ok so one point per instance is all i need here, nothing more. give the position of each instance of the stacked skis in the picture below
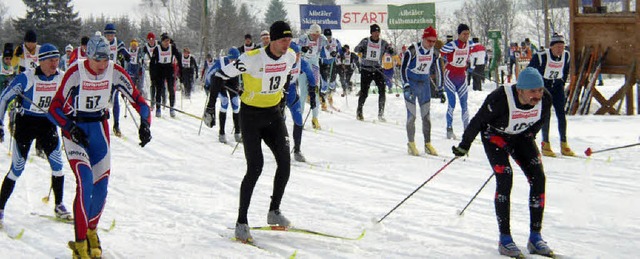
(588, 65)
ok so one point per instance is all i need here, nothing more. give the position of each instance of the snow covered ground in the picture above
(178, 196)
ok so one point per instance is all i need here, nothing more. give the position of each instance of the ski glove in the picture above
(334, 53)
(458, 151)
(78, 136)
(144, 132)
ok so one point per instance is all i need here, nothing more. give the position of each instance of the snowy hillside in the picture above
(178, 196)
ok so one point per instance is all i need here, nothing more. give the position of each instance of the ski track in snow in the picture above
(178, 196)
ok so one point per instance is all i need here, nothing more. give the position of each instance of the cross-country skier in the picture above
(189, 68)
(135, 66)
(227, 90)
(265, 73)
(81, 108)
(25, 55)
(455, 76)
(117, 49)
(6, 69)
(389, 63)
(329, 68)
(34, 90)
(264, 38)
(161, 60)
(553, 64)
(148, 50)
(371, 50)
(311, 45)
(79, 53)
(349, 61)
(64, 60)
(508, 121)
(247, 45)
(294, 101)
(418, 64)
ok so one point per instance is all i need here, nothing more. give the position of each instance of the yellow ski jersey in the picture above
(389, 61)
(264, 78)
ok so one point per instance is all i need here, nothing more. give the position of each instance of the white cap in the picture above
(98, 33)
(264, 33)
(315, 29)
(68, 48)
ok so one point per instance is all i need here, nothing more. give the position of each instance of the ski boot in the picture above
(538, 246)
(243, 233)
(411, 149)
(359, 115)
(508, 247)
(237, 137)
(61, 212)
(95, 250)
(209, 117)
(79, 249)
(276, 218)
(298, 156)
(116, 130)
(222, 138)
(158, 113)
(429, 149)
(566, 150)
(381, 118)
(315, 124)
(172, 113)
(546, 149)
(450, 134)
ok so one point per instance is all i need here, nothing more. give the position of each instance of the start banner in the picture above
(360, 17)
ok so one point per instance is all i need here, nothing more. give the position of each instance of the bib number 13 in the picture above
(274, 83)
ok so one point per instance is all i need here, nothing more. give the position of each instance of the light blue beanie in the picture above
(529, 78)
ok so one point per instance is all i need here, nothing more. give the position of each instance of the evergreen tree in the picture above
(248, 22)
(275, 12)
(227, 31)
(193, 19)
(54, 21)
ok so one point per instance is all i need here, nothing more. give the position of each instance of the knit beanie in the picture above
(30, 36)
(98, 48)
(374, 28)
(279, 30)
(556, 38)
(327, 32)
(110, 28)
(429, 32)
(8, 50)
(529, 78)
(150, 36)
(48, 51)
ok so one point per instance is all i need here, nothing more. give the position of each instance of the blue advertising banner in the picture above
(327, 16)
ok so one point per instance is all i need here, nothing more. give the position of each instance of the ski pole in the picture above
(46, 198)
(588, 152)
(205, 110)
(390, 79)
(234, 148)
(476, 195)
(178, 110)
(132, 117)
(416, 190)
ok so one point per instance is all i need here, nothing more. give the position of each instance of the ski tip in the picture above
(364, 231)
(18, 236)
(588, 152)
(295, 253)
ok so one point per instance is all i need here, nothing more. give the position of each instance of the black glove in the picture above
(443, 99)
(144, 132)
(458, 151)
(390, 50)
(78, 136)
(2, 135)
(304, 49)
(334, 54)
